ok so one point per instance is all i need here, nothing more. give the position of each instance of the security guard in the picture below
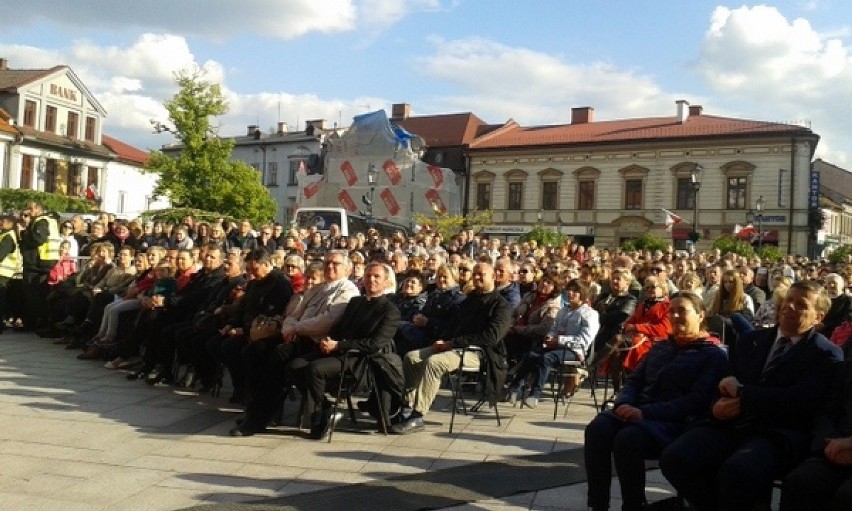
(10, 260)
(39, 251)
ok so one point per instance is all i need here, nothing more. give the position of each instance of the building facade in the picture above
(58, 145)
(604, 182)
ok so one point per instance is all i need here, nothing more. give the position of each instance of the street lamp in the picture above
(372, 179)
(538, 218)
(695, 177)
(758, 206)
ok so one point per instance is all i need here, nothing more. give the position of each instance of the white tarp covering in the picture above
(405, 184)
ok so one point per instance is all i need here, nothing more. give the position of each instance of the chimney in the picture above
(4, 64)
(582, 115)
(695, 110)
(282, 127)
(251, 129)
(316, 124)
(400, 111)
(683, 110)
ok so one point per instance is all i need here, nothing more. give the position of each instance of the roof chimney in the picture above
(283, 127)
(400, 111)
(4, 64)
(315, 124)
(251, 129)
(695, 110)
(682, 110)
(582, 115)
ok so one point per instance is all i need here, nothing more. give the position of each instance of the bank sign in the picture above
(813, 190)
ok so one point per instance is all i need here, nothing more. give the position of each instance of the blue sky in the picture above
(530, 61)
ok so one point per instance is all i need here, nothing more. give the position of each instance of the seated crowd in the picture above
(727, 370)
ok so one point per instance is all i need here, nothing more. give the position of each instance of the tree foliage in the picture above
(202, 176)
(770, 253)
(449, 225)
(646, 241)
(545, 237)
(727, 243)
(16, 199)
(840, 254)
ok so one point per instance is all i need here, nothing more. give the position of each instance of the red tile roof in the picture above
(629, 130)
(445, 130)
(4, 123)
(126, 153)
(11, 79)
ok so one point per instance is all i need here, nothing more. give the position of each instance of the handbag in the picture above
(264, 327)
(841, 333)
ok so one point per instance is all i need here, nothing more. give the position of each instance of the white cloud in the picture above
(537, 88)
(785, 68)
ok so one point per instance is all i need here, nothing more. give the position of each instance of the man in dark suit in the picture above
(368, 324)
(762, 420)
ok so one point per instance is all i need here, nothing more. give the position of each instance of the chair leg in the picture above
(336, 404)
(383, 413)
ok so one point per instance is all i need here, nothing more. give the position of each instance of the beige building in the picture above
(607, 181)
(58, 146)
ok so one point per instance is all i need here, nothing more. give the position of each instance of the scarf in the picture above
(683, 340)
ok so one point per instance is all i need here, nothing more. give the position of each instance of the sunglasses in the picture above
(523, 271)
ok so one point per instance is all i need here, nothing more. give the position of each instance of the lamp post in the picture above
(538, 218)
(372, 179)
(758, 207)
(695, 177)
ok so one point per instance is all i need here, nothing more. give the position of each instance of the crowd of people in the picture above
(727, 369)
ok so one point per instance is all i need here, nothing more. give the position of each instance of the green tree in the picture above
(545, 237)
(203, 176)
(839, 254)
(646, 241)
(450, 225)
(727, 243)
(770, 253)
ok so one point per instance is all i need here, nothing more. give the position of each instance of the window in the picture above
(90, 129)
(483, 196)
(737, 192)
(30, 114)
(272, 173)
(685, 194)
(294, 169)
(92, 177)
(27, 164)
(50, 176)
(549, 195)
(256, 166)
(73, 125)
(50, 120)
(516, 196)
(586, 195)
(633, 194)
(75, 185)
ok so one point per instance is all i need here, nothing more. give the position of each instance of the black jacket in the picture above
(483, 320)
(613, 311)
(267, 296)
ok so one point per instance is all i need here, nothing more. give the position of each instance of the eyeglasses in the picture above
(267, 234)
(523, 271)
(465, 270)
(657, 270)
(651, 287)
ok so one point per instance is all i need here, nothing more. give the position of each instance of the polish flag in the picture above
(671, 219)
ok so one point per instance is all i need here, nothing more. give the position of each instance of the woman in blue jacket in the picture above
(672, 386)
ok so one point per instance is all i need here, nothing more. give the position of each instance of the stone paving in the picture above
(74, 435)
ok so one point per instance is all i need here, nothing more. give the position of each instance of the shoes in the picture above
(130, 362)
(138, 375)
(189, 379)
(154, 375)
(324, 429)
(412, 425)
(240, 432)
(114, 364)
(512, 397)
(531, 402)
(93, 353)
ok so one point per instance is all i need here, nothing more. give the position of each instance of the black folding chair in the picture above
(570, 368)
(348, 386)
(457, 383)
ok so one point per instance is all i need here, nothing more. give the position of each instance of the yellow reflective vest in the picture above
(11, 264)
(49, 250)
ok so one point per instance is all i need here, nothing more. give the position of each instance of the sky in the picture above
(531, 61)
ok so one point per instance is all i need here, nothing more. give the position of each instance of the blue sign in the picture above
(773, 219)
(813, 191)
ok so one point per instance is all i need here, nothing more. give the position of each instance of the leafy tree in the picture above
(840, 254)
(545, 237)
(770, 253)
(727, 243)
(450, 225)
(202, 176)
(17, 199)
(646, 241)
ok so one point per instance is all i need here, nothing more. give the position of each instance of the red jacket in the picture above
(651, 325)
(63, 269)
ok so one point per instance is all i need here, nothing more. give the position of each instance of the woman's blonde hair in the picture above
(725, 302)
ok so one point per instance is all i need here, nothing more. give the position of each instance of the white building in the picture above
(127, 191)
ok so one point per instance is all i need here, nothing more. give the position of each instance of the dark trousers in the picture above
(227, 349)
(318, 374)
(817, 484)
(169, 338)
(539, 364)
(298, 373)
(723, 468)
(35, 298)
(629, 445)
(4, 283)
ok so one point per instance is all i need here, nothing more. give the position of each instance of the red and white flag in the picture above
(671, 219)
(745, 233)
